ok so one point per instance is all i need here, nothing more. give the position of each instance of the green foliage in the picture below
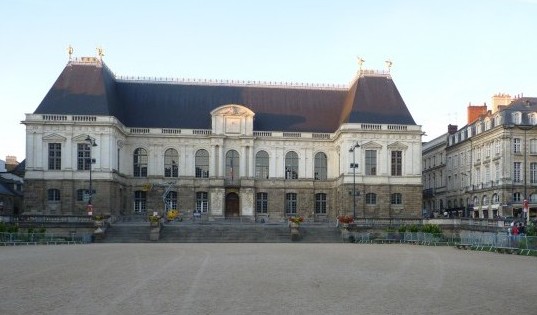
(431, 228)
(8, 228)
(427, 228)
(531, 230)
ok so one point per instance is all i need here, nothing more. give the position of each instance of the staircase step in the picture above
(222, 233)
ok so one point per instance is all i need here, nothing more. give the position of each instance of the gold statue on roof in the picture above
(100, 52)
(70, 51)
(360, 62)
(388, 64)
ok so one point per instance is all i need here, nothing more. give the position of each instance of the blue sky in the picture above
(446, 54)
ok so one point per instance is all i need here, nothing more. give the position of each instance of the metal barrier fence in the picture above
(20, 238)
(496, 242)
(404, 237)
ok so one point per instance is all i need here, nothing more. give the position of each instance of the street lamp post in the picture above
(91, 143)
(354, 165)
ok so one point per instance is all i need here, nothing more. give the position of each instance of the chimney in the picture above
(451, 129)
(499, 100)
(475, 111)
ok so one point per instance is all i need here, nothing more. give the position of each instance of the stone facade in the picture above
(221, 171)
(488, 167)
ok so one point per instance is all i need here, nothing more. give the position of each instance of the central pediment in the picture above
(232, 120)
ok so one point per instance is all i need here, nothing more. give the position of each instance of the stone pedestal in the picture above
(295, 233)
(154, 231)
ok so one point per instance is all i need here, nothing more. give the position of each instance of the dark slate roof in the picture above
(92, 89)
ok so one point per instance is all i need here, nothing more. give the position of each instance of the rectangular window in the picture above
(397, 199)
(83, 157)
(290, 203)
(320, 203)
(202, 202)
(261, 202)
(140, 201)
(54, 156)
(371, 198)
(262, 165)
(533, 173)
(397, 160)
(533, 146)
(370, 162)
(517, 178)
(516, 145)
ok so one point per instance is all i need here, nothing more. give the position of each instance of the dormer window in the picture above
(516, 117)
(533, 118)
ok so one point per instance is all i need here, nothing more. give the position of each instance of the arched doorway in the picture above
(232, 205)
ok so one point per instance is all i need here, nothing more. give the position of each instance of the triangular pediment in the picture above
(54, 137)
(371, 145)
(81, 138)
(397, 146)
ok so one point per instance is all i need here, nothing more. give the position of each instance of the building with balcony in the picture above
(491, 163)
(221, 148)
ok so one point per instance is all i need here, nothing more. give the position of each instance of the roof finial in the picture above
(388, 64)
(70, 51)
(100, 53)
(360, 63)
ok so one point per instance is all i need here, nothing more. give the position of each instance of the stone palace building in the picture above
(256, 150)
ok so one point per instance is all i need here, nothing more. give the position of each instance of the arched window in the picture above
(140, 163)
(485, 200)
(291, 165)
(495, 199)
(371, 198)
(533, 118)
(171, 163)
(516, 117)
(476, 201)
(82, 194)
(232, 165)
(202, 164)
(262, 165)
(320, 166)
(320, 203)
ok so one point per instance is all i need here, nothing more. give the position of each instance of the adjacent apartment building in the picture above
(129, 145)
(488, 168)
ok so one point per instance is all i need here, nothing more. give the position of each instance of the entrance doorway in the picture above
(232, 205)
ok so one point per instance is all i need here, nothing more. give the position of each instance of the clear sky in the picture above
(445, 54)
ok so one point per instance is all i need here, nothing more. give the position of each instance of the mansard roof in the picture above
(88, 87)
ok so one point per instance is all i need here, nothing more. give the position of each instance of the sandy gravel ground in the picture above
(263, 279)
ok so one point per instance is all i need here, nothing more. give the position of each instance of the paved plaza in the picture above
(264, 279)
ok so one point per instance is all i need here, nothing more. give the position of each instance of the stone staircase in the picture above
(127, 233)
(222, 233)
